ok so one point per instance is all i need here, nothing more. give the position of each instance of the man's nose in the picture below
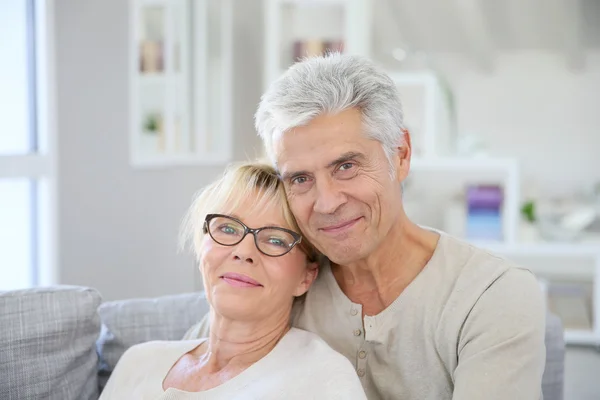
(245, 250)
(329, 197)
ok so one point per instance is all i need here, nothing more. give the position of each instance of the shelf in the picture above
(454, 164)
(152, 79)
(185, 82)
(314, 3)
(179, 160)
(543, 249)
(580, 337)
(413, 78)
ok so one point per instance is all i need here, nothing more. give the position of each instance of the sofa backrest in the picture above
(129, 322)
(47, 343)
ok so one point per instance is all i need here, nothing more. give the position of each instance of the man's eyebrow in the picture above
(350, 155)
(288, 175)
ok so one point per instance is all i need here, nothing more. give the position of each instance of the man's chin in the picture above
(344, 254)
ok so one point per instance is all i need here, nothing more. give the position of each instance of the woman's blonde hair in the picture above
(240, 182)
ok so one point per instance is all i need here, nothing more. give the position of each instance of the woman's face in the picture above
(242, 283)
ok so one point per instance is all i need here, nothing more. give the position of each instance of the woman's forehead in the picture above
(257, 211)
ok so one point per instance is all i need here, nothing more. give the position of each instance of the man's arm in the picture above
(501, 351)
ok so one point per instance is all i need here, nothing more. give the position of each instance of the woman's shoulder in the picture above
(158, 349)
(142, 368)
(331, 374)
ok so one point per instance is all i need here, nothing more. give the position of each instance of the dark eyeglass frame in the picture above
(254, 232)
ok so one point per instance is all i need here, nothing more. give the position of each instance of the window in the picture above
(27, 195)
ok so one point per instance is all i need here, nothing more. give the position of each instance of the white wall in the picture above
(118, 226)
(533, 108)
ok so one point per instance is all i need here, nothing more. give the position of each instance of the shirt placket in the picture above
(359, 334)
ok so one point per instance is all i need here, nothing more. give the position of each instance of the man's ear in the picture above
(310, 274)
(404, 153)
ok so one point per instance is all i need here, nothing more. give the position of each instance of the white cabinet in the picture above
(298, 28)
(180, 82)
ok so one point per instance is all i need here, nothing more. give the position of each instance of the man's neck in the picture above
(376, 281)
(239, 344)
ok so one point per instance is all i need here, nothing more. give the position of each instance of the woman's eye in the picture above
(230, 230)
(277, 242)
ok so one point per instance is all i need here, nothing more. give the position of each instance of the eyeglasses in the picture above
(269, 240)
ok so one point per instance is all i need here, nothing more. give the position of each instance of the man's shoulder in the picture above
(464, 273)
(474, 265)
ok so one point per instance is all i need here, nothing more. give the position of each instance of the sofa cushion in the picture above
(129, 322)
(47, 343)
(553, 378)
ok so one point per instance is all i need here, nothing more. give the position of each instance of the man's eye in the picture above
(346, 166)
(299, 180)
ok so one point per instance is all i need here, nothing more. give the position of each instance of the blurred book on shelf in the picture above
(316, 47)
(484, 212)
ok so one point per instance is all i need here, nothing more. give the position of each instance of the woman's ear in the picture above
(309, 276)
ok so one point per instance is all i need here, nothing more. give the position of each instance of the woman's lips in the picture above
(239, 280)
(340, 227)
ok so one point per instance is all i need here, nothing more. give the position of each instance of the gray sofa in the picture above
(63, 342)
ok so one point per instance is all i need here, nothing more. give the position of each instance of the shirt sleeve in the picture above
(124, 373)
(501, 351)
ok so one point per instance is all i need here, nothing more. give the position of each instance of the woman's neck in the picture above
(239, 344)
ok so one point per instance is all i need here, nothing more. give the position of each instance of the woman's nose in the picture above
(245, 250)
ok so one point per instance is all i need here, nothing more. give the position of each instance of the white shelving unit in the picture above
(332, 21)
(427, 113)
(436, 176)
(449, 175)
(180, 82)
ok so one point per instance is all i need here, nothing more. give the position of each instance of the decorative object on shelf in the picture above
(152, 39)
(484, 212)
(316, 47)
(153, 138)
(528, 230)
(564, 220)
(296, 29)
(528, 211)
(180, 82)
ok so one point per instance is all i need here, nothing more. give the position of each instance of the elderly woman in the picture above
(254, 264)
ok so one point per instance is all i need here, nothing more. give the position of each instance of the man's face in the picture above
(339, 185)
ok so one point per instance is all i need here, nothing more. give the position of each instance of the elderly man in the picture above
(420, 314)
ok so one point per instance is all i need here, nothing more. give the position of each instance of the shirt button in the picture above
(353, 311)
(357, 332)
(362, 354)
(361, 372)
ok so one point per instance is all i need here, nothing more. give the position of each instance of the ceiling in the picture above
(480, 28)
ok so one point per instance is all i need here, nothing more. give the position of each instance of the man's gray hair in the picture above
(328, 85)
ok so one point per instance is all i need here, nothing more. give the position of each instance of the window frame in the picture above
(40, 165)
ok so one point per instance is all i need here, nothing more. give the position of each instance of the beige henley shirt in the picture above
(470, 326)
